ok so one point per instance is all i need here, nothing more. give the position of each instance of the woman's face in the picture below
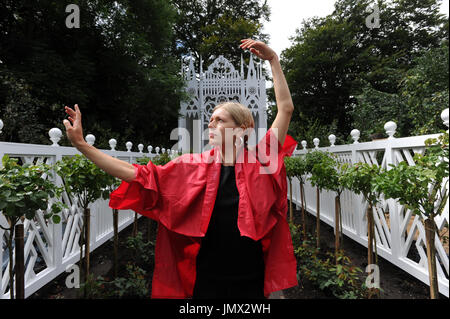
(219, 121)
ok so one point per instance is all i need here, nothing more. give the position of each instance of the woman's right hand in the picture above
(74, 130)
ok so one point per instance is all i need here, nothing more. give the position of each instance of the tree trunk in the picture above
(430, 231)
(318, 218)
(371, 244)
(87, 220)
(116, 240)
(135, 227)
(370, 234)
(291, 216)
(20, 262)
(337, 226)
(302, 195)
(10, 252)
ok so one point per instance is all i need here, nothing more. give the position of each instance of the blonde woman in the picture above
(222, 228)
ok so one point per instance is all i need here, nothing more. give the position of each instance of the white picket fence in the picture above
(51, 248)
(400, 236)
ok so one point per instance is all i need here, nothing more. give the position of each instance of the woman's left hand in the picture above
(260, 49)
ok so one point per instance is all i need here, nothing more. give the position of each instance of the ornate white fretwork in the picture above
(220, 83)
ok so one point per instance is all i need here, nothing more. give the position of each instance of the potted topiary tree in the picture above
(86, 182)
(24, 191)
(422, 188)
(314, 161)
(361, 179)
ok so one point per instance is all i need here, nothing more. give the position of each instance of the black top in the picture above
(224, 253)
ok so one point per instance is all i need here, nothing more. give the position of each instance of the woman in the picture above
(222, 229)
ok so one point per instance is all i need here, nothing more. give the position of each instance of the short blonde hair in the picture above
(240, 114)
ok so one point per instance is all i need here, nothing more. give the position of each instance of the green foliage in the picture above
(296, 167)
(324, 170)
(422, 93)
(342, 280)
(411, 185)
(343, 74)
(160, 159)
(83, 179)
(213, 28)
(24, 190)
(120, 66)
(361, 178)
(134, 285)
(143, 250)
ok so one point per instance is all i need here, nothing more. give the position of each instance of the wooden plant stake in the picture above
(430, 231)
(116, 240)
(302, 196)
(87, 220)
(291, 217)
(337, 229)
(318, 218)
(20, 262)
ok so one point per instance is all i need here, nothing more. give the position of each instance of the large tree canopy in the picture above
(335, 61)
(210, 28)
(118, 66)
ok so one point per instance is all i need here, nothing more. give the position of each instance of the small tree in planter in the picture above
(361, 179)
(23, 191)
(289, 163)
(296, 167)
(112, 185)
(85, 181)
(313, 162)
(328, 173)
(423, 189)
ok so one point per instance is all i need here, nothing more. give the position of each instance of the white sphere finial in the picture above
(316, 142)
(1, 126)
(112, 144)
(355, 135)
(304, 144)
(90, 139)
(141, 147)
(163, 150)
(55, 135)
(129, 145)
(390, 128)
(332, 139)
(149, 149)
(157, 149)
(444, 117)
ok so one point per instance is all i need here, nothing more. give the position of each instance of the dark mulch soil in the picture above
(101, 261)
(395, 283)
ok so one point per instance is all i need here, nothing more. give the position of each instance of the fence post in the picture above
(394, 218)
(56, 229)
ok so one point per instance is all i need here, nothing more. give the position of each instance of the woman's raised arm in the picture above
(113, 166)
(283, 97)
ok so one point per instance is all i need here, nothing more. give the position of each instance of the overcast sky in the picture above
(287, 15)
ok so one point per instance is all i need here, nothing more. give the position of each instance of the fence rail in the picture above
(400, 235)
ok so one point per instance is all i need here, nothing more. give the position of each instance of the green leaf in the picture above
(56, 219)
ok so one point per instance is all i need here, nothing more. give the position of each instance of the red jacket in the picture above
(180, 196)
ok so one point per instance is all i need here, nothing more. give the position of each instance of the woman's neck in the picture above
(228, 158)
